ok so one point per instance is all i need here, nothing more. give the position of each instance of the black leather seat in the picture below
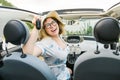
(18, 66)
(101, 64)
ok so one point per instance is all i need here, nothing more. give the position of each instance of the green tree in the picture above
(89, 31)
(30, 25)
(6, 3)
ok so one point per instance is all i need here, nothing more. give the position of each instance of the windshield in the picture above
(82, 26)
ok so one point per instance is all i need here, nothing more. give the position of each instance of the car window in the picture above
(83, 26)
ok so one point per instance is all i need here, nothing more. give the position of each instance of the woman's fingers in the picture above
(34, 20)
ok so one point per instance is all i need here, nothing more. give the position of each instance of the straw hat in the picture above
(55, 15)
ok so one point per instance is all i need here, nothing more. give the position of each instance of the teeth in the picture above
(53, 30)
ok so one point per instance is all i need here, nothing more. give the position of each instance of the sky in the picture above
(46, 5)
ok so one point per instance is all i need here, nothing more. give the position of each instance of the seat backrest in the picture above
(17, 67)
(104, 65)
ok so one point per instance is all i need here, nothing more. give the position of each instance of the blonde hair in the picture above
(43, 33)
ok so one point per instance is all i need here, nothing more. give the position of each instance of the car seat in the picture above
(101, 64)
(17, 65)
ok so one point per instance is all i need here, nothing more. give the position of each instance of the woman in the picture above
(51, 46)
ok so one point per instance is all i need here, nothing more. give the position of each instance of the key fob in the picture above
(38, 24)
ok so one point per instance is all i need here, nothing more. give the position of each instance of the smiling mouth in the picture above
(54, 30)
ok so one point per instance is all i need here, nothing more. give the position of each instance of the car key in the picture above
(38, 24)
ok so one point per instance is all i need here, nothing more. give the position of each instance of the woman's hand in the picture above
(34, 20)
(29, 46)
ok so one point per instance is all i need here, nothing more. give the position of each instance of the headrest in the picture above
(16, 32)
(107, 30)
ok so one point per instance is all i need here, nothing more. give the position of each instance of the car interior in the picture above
(100, 64)
(94, 65)
(92, 34)
(18, 65)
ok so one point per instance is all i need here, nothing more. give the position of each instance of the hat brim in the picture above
(55, 15)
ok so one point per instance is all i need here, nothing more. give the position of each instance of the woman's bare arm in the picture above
(29, 46)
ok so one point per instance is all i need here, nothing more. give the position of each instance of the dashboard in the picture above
(73, 42)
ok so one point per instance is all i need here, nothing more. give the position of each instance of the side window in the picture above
(29, 24)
